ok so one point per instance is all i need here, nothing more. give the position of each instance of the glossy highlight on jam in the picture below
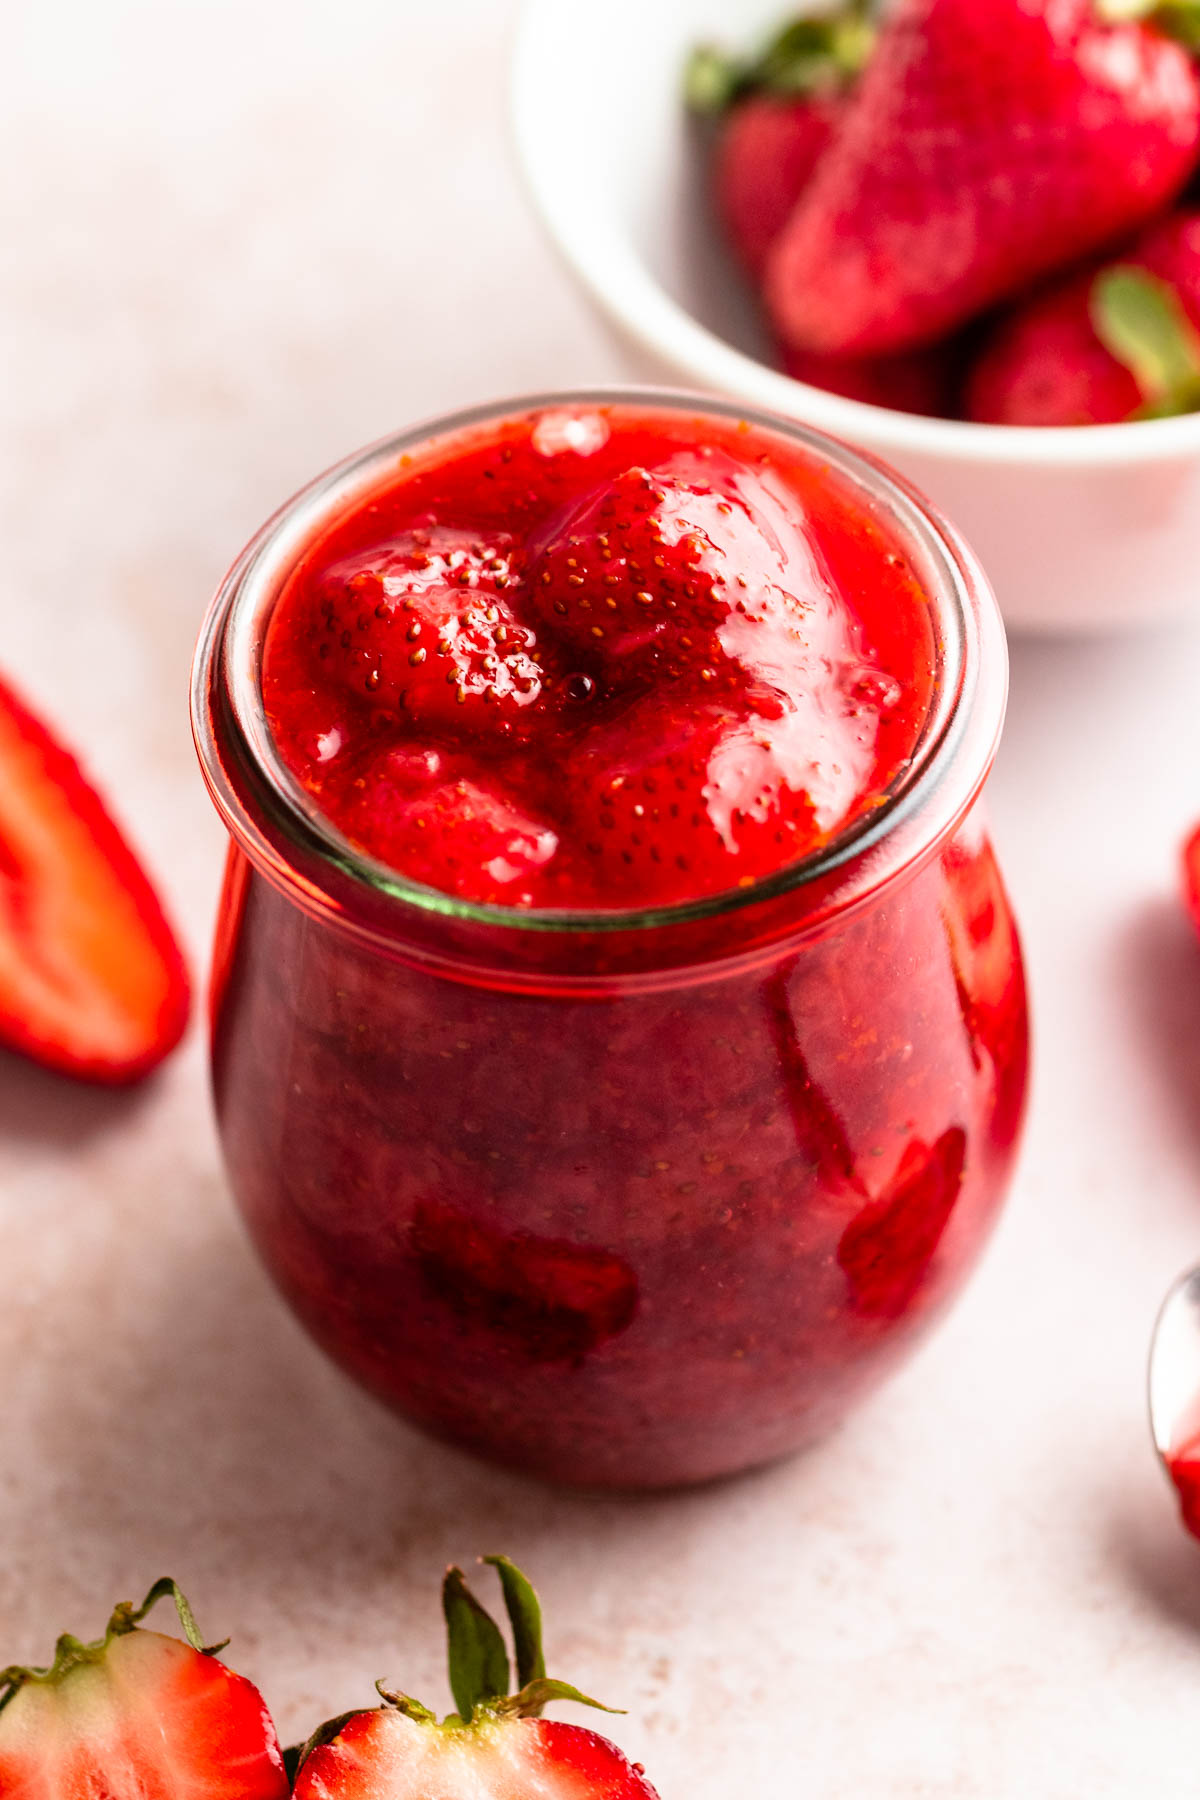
(625, 1169)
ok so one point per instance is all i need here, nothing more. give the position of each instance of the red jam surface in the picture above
(660, 1227)
(587, 662)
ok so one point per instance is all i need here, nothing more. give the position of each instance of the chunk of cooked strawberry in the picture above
(887, 1248)
(693, 564)
(495, 1747)
(693, 801)
(92, 979)
(136, 1716)
(413, 809)
(544, 1299)
(421, 624)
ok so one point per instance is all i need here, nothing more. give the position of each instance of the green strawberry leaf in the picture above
(478, 1660)
(534, 1695)
(807, 54)
(1141, 321)
(412, 1709)
(810, 52)
(525, 1617)
(711, 80)
(1178, 19)
(126, 1617)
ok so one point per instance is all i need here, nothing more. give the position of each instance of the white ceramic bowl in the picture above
(1079, 528)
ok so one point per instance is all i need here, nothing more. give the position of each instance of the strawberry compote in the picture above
(619, 1029)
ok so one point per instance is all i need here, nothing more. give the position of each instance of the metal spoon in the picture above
(1175, 1366)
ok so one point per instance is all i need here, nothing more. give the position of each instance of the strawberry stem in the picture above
(126, 1618)
(412, 1709)
(1141, 321)
(479, 1669)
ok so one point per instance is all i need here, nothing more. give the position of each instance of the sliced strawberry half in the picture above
(137, 1716)
(92, 979)
(495, 1747)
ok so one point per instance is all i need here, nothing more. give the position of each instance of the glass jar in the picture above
(621, 1199)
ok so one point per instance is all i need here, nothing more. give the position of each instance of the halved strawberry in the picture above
(420, 623)
(92, 980)
(137, 1716)
(495, 1747)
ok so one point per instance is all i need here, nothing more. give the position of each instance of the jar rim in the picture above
(227, 667)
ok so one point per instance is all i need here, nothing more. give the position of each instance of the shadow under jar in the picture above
(619, 1198)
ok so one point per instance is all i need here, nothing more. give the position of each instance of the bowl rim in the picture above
(606, 263)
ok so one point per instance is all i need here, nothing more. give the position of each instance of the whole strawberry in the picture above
(988, 143)
(495, 1747)
(777, 113)
(136, 1716)
(1109, 344)
(762, 162)
(92, 978)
